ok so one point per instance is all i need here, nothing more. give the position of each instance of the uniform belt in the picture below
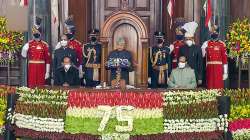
(160, 68)
(96, 66)
(36, 61)
(214, 63)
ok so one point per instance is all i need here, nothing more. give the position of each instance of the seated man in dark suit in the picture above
(67, 74)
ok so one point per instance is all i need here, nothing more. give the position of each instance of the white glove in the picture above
(225, 69)
(203, 48)
(199, 82)
(47, 71)
(47, 75)
(80, 72)
(225, 76)
(171, 47)
(149, 80)
(84, 82)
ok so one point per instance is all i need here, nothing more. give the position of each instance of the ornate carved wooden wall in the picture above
(127, 24)
(148, 10)
(239, 9)
(81, 10)
(135, 20)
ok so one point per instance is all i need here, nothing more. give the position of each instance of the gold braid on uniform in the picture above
(154, 60)
(83, 52)
(90, 51)
(161, 69)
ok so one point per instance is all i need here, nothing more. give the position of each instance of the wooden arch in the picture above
(106, 37)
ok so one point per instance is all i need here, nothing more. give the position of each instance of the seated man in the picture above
(183, 77)
(120, 62)
(67, 74)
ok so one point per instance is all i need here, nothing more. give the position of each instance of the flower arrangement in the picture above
(39, 124)
(193, 112)
(191, 104)
(135, 115)
(41, 110)
(10, 43)
(189, 97)
(109, 113)
(242, 134)
(239, 121)
(4, 90)
(238, 39)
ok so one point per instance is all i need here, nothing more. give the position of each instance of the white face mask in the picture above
(189, 42)
(67, 66)
(64, 43)
(181, 65)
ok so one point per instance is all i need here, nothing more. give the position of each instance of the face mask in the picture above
(64, 43)
(36, 35)
(189, 42)
(159, 41)
(214, 36)
(67, 66)
(93, 39)
(181, 65)
(179, 37)
(70, 36)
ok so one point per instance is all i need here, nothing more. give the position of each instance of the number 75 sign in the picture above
(120, 118)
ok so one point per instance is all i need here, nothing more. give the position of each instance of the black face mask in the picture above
(159, 41)
(214, 36)
(93, 39)
(70, 36)
(36, 35)
(179, 37)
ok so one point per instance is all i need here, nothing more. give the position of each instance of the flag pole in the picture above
(193, 10)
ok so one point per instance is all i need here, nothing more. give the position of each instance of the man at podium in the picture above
(120, 62)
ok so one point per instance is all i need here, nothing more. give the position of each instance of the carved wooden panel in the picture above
(137, 21)
(142, 5)
(146, 20)
(81, 11)
(148, 10)
(112, 4)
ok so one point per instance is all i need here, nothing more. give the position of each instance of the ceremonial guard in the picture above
(37, 53)
(214, 51)
(92, 59)
(120, 62)
(175, 47)
(73, 43)
(161, 62)
(62, 52)
(192, 51)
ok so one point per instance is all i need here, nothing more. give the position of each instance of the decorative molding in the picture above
(147, 8)
(125, 16)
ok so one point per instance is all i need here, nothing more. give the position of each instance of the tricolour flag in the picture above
(171, 11)
(208, 11)
(23, 3)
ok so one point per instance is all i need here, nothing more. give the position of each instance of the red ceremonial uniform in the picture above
(77, 46)
(175, 54)
(216, 57)
(38, 57)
